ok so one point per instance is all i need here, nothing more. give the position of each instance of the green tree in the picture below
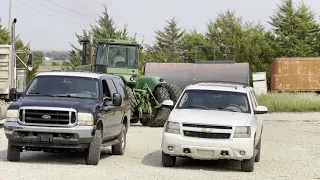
(37, 56)
(105, 28)
(292, 27)
(194, 46)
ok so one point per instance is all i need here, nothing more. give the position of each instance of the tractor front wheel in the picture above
(133, 103)
(162, 114)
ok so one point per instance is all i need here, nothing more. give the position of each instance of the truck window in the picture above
(120, 87)
(105, 88)
(112, 87)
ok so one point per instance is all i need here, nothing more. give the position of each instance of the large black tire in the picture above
(258, 148)
(162, 114)
(13, 152)
(119, 149)
(174, 92)
(94, 151)
(167, 160)
(133, 103)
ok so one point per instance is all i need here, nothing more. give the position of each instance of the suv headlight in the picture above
(12, 115)
(85, 119)
(172, 127)
(242, 132)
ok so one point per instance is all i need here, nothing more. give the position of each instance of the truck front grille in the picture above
(48, 116)
(207, 135)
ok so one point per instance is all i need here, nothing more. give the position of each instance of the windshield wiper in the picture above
(42, 94)
(226, 109)
(197, 107)
(68, 95)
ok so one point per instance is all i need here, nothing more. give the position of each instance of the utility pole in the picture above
(91, 48)
(9, 22)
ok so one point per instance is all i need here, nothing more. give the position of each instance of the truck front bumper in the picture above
(50, 137)
(207, 149)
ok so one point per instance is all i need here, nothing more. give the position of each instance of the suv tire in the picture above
(13, 152)
(120, 148)
(167, 160)
(257, 158)
(94, 150)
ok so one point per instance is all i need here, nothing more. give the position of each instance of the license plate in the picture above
(205, 153)
(45, 137)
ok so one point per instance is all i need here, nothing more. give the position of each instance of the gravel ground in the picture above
(290, 150)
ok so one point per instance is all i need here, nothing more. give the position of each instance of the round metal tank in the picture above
(21, 79)
(3, 110)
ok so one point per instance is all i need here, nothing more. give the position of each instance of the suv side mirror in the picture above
(168, 104)
(261, 110)
(117, 99)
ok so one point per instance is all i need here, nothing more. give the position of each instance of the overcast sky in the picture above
(142, 16)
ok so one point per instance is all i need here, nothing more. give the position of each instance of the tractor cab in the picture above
(116, 57)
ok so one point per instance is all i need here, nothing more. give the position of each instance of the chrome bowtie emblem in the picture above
(206, 130)
(46, 117)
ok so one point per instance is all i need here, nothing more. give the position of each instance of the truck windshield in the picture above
(215, 100)
(123, 56)
(64, 86)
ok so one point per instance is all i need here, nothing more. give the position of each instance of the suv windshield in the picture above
(64, 86)
(214, 100)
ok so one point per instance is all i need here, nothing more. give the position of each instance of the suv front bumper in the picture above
(51, 137)
(207, 149)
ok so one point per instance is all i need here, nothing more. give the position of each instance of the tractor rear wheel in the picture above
(162, 114)
(133, 103)
(174, 92)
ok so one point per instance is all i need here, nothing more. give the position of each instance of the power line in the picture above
(67, 9)
(46, 13)
(52, 9)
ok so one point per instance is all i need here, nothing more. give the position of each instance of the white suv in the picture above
(218, 120)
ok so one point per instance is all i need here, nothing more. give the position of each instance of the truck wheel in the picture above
(257, 158)
(167, 160)
(94, 151)
(13, 152)
(120, 148)
(133, 104)
(174, 91)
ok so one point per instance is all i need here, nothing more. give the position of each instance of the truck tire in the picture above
(174, 92)
(13, 152)
(120, 148)
(94, 150)
(133, 104)
(167, 160)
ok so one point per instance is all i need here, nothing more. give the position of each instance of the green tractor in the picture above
(146, 93)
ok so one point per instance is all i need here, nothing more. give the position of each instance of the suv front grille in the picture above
(47, 116)
(207, 135)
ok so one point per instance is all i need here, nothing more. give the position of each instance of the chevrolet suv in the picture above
(69, 111)
(214, 120)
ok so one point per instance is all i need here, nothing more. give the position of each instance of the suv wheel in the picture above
(94, 151)
(257, 158)
(247, 165)
(120, 148)
(13, 152)
(167, 160)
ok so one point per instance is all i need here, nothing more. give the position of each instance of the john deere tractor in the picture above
(146, 93)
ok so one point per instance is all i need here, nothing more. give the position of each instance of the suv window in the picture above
(253, 101)
(112, 87)
(217, 100)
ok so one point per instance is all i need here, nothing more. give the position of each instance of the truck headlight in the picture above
(12, 115)
(242, 132)
(85, 119)
(172, 127)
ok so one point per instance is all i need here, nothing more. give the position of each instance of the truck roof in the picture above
(219, 86)
(77, 74)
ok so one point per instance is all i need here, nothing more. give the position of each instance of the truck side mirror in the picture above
(29, 63)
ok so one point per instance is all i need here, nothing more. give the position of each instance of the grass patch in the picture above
(291, 102)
